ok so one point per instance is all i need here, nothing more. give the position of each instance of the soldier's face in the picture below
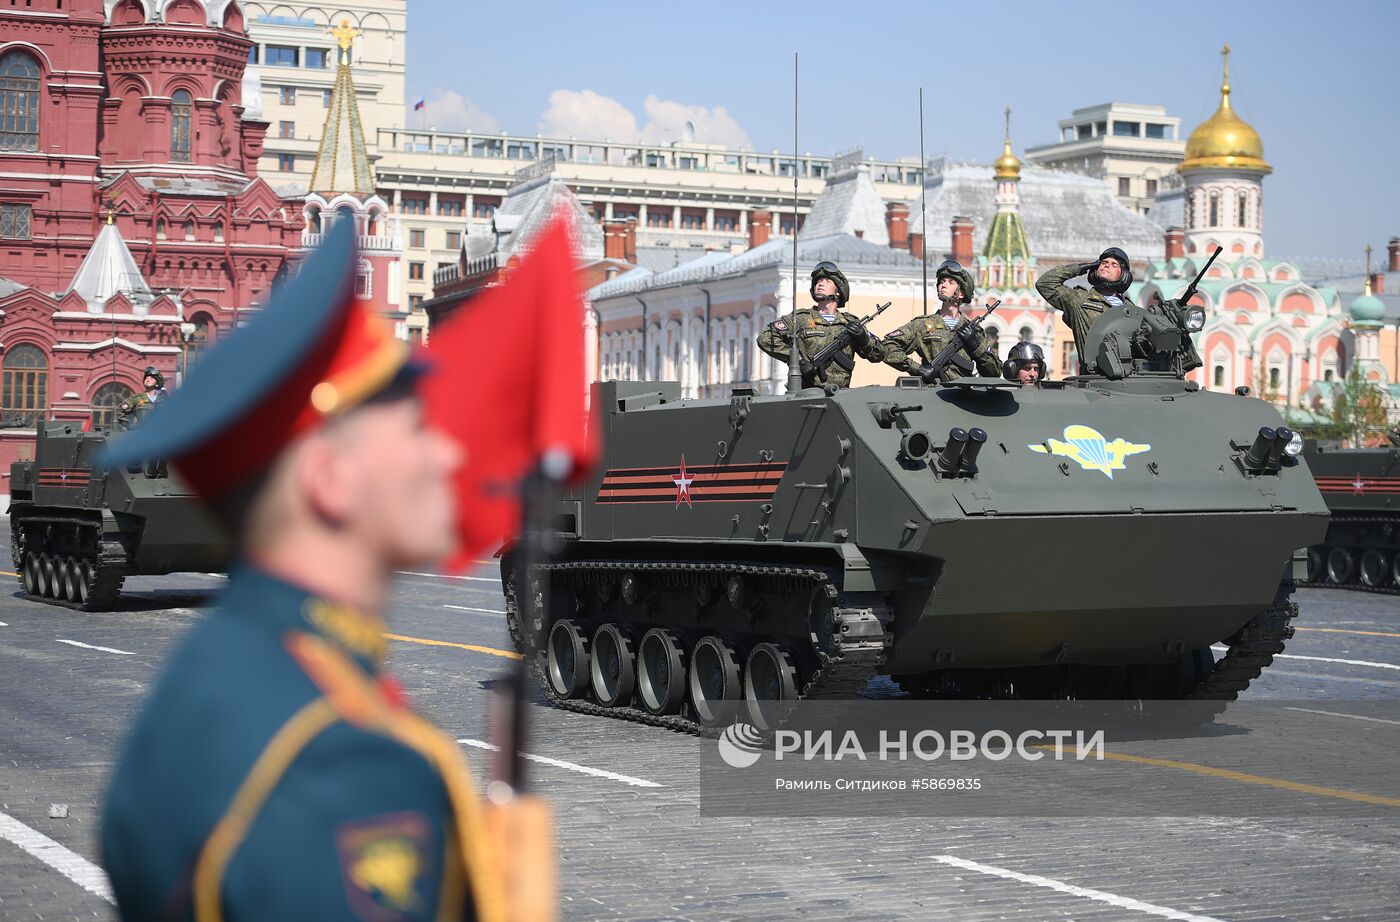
(825, 288)
(397, 477)
(1028, 374)
(1110, 269)
(151, 383)
(948, 290)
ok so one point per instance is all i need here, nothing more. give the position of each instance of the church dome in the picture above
(1225, 141)
(1007, 166)
(1368, 309)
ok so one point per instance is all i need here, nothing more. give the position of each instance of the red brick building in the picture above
(126, 150)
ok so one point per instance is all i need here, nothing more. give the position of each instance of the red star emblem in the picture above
(683, 482)
(1358, 486)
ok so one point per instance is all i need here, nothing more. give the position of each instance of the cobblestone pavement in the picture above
(633, 852)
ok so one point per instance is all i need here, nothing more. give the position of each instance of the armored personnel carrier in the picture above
(77, 532)
(1087, 538)
(1362, 488)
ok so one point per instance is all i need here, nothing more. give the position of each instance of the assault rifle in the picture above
(934, 370)
(835, 351)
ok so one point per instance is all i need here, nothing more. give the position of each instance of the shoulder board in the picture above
(355, 697)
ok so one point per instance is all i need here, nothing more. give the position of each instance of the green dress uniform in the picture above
(814, 331)
(1080, 306)
(926, 337)
(287, 778)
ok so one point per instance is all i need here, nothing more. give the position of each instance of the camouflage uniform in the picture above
(814, 331)
(1394, 436)
(1081, 306)
(926, 337)
(132, 409)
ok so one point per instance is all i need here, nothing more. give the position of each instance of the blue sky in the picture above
(1318, 81)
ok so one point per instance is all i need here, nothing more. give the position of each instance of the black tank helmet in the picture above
(152, 372)
(952, 269)
(1122, 284)
(1023, 354)
(827, 270)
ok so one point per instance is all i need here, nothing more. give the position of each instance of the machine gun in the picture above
(948, 354)
(835, 351)
(1131, 339)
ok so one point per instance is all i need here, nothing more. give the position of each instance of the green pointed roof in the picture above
(1007, 238)
(342, 163)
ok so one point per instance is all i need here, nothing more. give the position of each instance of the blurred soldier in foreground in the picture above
(276, 771)
(1025, 363)
(130, 410)
(925, 337)
(818, 326)
(1109, 278)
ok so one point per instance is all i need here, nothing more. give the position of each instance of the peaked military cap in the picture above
(313, 352)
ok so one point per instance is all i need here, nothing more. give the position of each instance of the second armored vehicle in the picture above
(1362, 488)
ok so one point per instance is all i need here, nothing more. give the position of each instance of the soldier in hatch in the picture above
(1109, 278)
(925, 337)
(818, 325)
(1024, 363)
(130, 410)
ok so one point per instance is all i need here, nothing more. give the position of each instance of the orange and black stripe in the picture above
(64, 476)
(1359, 485)
(712, 483)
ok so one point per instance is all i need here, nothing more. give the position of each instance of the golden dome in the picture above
(1225, 141)
(1007, 165)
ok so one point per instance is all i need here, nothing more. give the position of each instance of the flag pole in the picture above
(794, 363)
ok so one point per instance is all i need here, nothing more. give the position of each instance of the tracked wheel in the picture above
(770, 685)
(30, 574)
(1341, 565)
(612, 666)
(567, 660)
(1375, 569)
(714, 681)
(661, 672)
(69, 579)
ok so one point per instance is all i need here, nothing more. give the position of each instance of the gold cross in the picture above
(1368, 261)
(344, 34)
(1225, 54)
(1008, 123)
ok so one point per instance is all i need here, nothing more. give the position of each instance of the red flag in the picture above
(509, 384)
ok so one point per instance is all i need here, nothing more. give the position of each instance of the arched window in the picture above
(198, 342)
(19, 102)
(1214, 210)
(1219, 376)
(105, 402)
(1244, 210)
(25, 377)
(181, 118)
(160, 228)
(1027, 334)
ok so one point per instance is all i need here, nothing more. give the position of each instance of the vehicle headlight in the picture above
(1193, 319)
(1294, 448)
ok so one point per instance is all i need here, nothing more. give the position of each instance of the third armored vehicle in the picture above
(1362, 488)
(1089, 538)
(77, 532)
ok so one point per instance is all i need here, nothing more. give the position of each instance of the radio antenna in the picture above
(923, 196)
(794, 366)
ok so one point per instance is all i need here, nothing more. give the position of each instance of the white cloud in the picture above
(591, 115)
(448, 110)
(586, 114)
(667, 120)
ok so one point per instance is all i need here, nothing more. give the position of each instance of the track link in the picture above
(849, 656)
(109, 565)
(1251, 649)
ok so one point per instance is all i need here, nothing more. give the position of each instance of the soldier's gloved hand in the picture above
(970, 336)
(807, 368)
(926, 372)
(1087, 267)
(859, 334)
